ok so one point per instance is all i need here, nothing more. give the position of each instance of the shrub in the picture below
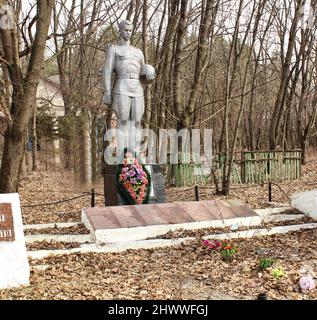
(278, 273)
(267, 262)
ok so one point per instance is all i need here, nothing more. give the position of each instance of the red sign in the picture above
(6, 222)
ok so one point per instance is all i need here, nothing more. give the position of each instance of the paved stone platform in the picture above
(137, 222)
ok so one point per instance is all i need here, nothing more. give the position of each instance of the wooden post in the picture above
(92, 197)
(270, 191)
(196, 193)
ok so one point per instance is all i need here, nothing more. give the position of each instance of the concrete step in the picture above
(156, 243)
(133, 234)
(51, 225)
(82, 238)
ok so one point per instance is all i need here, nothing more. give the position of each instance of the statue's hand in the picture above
(107, 99)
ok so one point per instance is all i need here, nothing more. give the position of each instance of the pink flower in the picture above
(307, 283)
(134, 178)
(216, 245)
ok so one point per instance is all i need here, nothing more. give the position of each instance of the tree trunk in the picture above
(285, 78)
(10, 165)
(94, 148)
(24, 94)
(34, 142)
(86, 156)
(177, 83)
(230, 75)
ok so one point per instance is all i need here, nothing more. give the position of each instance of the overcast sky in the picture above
(228, 8)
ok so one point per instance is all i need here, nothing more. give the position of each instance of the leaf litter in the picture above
(186, 271)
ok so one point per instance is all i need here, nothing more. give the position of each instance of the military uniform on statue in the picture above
(125, 97)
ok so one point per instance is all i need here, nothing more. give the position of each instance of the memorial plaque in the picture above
(6, 222)
(14, 264)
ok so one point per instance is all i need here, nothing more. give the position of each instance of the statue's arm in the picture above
(107, 74)
(142, 58)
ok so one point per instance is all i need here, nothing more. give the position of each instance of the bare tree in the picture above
(24, 87)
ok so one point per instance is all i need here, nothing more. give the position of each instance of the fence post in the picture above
(242, 161)
(92, 197)
(196, 193)
(270, 191)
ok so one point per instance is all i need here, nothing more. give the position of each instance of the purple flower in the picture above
(307, 283)
(132, 173)
(139, 171)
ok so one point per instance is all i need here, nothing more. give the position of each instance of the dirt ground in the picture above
(255, 196)
(45, 187)
(185, 271)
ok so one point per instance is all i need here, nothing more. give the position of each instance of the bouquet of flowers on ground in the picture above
(226, 249)
(133, 180)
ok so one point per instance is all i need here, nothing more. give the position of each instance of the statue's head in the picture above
(125, 28)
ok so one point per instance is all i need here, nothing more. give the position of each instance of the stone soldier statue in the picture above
(126, 94)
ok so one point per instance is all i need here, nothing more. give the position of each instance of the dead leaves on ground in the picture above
(51, 245)
(78, 229)
(47, 187)
(182, 233)
(186, 271)
(255, 196)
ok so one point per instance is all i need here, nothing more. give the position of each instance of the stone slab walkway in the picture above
(159, 243)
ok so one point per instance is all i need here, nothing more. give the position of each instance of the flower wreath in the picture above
(133, 180)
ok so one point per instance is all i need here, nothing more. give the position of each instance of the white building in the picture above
(49, 93)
